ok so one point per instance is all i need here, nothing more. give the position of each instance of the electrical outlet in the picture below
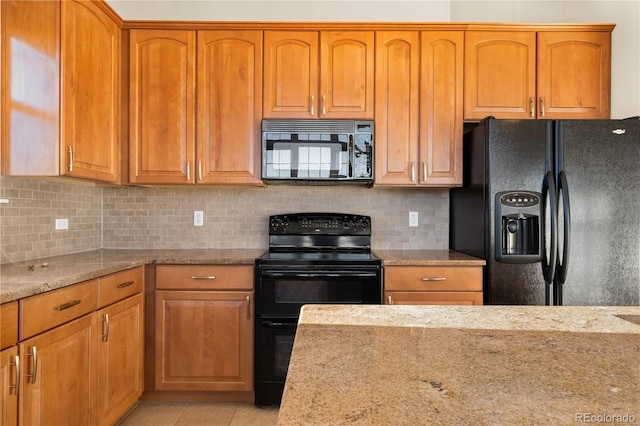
(62, 224)
(413, 219)
(198, 218)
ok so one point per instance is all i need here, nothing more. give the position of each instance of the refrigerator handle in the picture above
(549, 193)
(563, 189)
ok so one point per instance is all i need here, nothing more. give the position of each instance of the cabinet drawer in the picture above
(433, 298)
(118, 286)
(8, 324)
(48, 310)
(204, 277)
(433, 278)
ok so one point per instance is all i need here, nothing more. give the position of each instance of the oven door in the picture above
(284, 291)
(274, 342)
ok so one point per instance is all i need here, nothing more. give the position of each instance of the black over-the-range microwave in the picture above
(317, 151)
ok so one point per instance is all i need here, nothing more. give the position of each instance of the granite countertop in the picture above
(454, 365)
(427, 258)
(17, 282)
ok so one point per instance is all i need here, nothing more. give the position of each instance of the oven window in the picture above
(321, 291)
(283, 348)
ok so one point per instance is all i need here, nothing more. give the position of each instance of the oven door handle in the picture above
(276, 324)
(320, 274)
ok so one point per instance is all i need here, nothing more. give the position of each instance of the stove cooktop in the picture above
(333, 256)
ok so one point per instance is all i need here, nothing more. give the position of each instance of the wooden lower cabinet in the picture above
(433, 285)
(204, 340)
(58, 380)
(8, 386)
(120, 358)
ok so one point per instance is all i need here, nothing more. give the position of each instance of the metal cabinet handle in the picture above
(33, 353)
(424, 171)
(105, 328)
(324, 105)
(389, 300)
(434, 279)
(532, 106)
(248, 307)
(70, 159)
(207, 277)
(413, 171)
(68, 305)
(189, 171)
(125, 284)
(200, 170)
(542, 108)
(312, 105)
(15, 362)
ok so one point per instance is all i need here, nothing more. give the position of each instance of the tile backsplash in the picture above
(234, 217)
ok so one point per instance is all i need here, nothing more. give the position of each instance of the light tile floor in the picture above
(200, 413)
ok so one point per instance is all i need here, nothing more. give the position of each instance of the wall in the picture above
(27, 222)
(139, 217)
(238, 218)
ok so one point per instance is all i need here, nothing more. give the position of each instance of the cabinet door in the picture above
(499, 74)
(30, 88)
(229, 107)
(346, 74)
(58, 384)
(397, 107)
(120, 358)
(441, 108)
(574, 75)
(90, 92)
(162, 120)
(9, 386)
(290, 74)
(204, 341)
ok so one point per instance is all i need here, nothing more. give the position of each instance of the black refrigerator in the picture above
(554, 209)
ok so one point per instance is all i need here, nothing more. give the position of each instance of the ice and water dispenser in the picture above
(518, 227)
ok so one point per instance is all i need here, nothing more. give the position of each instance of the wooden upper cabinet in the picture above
(326, 74)
(543, 74)
(229, 69)
(397, 107)
(346, 74)
(419, 108)
(441, 108)
(161, 106)
(60, 90)
(499, 74)
(91, 92)
(574, 75)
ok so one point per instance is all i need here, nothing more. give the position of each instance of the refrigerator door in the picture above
(500, 155)
(599, 162)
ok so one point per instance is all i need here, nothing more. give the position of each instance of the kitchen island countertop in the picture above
(459, 365)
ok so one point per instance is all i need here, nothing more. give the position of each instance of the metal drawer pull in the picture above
(67, 305)
(206, 277)
(105, 335)
(390, 300)
(312, 102)
(532, 106)
(127, 284)
(434, 279)
(16, 388)
(248, 307)
(32, 353)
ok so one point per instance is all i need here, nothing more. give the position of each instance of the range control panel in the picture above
(520, 199)
(319, 223)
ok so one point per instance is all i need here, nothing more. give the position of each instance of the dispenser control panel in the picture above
(520, 199)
